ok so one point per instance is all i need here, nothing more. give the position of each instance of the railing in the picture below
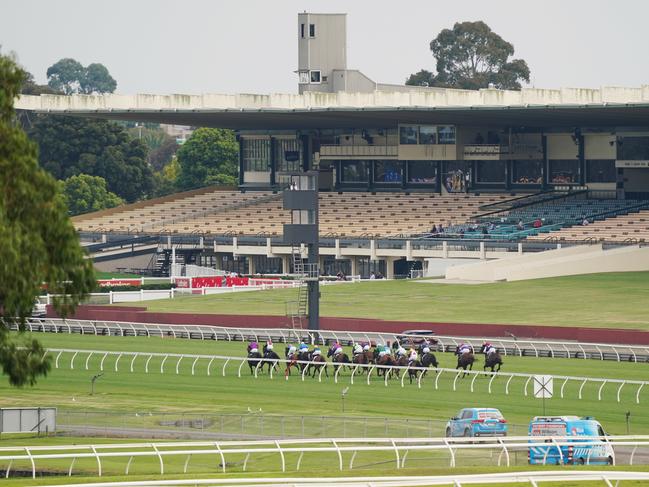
(255, 424)
(344, 451)
(533, 478)
(358, 150)
(363, 372)
(507, 346)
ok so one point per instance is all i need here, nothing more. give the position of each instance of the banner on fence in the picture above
(119, 282)
(210, 281)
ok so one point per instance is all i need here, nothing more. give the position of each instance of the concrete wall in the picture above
(562, 262)
(495, 270)
(437, 97)
(598, 146)
(351, 80)
(324, 52)
(561, 146)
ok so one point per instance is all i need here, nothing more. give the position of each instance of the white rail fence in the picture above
(516, 347)
(360, 372)
(113, 297)
(533, 478)
(346, 450)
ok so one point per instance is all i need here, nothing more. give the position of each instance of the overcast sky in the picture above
(250, 46)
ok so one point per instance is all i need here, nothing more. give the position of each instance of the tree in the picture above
(70, 76)
(84, 193)
(97, 79)
(166, 180)
(70, 146)
(38, 244)
(472, 56)
(210, 156)
(162, 155)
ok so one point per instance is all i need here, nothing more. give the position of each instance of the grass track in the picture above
(612, 300)
(137, 391)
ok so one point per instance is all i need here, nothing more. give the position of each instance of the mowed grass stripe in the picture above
(611, 300)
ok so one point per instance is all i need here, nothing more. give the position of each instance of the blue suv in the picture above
(477, 422)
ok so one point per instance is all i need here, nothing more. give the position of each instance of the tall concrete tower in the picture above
(322, 48)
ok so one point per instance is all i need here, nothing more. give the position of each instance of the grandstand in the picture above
(224, 212)
(629, 228)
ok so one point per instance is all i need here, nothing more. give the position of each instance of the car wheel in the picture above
(610, 460)
(581, 461)
(448, 432)
(467, 433)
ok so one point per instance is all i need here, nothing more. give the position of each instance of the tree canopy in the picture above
(70, 76)
(71, 146)
(210, 156)
(38, 244)
(472, 56)
(84, 193)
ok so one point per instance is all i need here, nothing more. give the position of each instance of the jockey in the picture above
(383, 350)
(488, 348)
(366, 347)
(303, 347)
(412, 358)
(401, 351)
(269, 345)
(291, 351)
(425, 350)
(358, 349)
(253, 347)
(464, 348)
(337, 348)
(316, 351)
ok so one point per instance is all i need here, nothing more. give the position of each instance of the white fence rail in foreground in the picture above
(512, 346)
(533, 478)
(345, 449)
(360, 372)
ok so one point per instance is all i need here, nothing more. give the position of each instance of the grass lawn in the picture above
(131, 392)
(615, 300)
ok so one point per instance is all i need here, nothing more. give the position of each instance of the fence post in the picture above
(340, 455)
(94, 450)
(110, 297)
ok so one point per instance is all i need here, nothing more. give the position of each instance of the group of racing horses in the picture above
(311, 361)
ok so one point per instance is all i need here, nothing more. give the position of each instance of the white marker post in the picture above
(543, 388)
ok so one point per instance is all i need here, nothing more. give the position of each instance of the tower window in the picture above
(315, 76)
(302, 31)
(311, 30)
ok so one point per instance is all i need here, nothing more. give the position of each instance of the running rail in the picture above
(507, 346)
(500, 449)
(360, 372)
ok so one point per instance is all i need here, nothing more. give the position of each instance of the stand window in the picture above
(354, 172)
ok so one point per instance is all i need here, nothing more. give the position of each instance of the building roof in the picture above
(608, 106)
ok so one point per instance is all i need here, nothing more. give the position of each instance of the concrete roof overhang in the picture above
(606, 114)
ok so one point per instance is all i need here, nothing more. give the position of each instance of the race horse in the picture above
(316, 363)
(253, 361)
(339, 359)
(271, 359)
(492, 361)
(464, 361)
(292, 361)
(384, 361)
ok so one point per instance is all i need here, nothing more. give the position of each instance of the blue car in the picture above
(472, 422)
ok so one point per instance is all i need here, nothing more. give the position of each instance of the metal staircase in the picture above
(297, 311)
